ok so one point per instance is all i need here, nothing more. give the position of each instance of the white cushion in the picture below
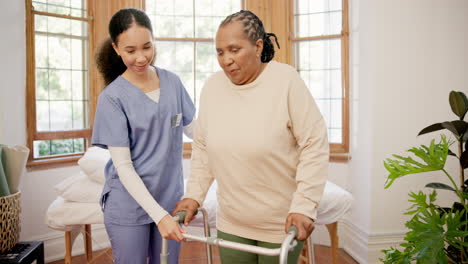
(62, 214)
(335, 202)
(79, 188)
(93, 163)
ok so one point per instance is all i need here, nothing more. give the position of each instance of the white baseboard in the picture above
(365, 247)
(54, 243)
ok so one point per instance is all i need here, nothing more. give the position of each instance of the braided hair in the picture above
(253, 28)
(109, 64)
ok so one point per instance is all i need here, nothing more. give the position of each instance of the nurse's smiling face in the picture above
(135, 47)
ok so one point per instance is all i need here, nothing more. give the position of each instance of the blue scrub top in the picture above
(127, 117)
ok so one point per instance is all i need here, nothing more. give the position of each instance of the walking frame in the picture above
(287, 245)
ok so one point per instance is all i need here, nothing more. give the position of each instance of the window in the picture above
(320, 46)
(313, 37)
(57, 79)
(184, 32)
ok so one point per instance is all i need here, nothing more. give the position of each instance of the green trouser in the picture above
(231, 256)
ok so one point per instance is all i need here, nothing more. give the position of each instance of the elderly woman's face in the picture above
(237, 55)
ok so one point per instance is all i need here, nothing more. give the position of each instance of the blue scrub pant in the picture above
(134, 244)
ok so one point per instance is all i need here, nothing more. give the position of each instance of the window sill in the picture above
(340, 157)
(52, 163)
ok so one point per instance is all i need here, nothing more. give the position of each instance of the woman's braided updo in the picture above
(253, 28)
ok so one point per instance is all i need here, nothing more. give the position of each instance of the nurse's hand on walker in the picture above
(188, 205)
(170, 229)
(305, 225)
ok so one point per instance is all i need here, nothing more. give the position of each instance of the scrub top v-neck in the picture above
(127, 117)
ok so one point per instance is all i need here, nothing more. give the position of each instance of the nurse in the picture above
(140, 117)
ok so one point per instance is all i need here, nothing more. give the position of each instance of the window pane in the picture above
(59, 85)
(205, 27)
(319, 64)
(75, 8)
(210, 13)
(317, 6)
(41, 148)
(335, 136)
(41, 57)
(335, 113)
(46, 148)
(42, 115)
(171, 18)
(61, 115)
(42, 84)
(206, 64)
(80, 120)
(79, 84)
(317, 24)
(59, 52)
(79, 49)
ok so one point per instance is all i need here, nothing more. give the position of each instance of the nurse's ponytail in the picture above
(109, 64)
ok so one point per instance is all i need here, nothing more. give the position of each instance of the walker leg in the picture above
(88, 243)
(310, 251)
(68, 247)
(333, 232)
(209, 254)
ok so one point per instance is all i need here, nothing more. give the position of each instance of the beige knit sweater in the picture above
(266, 145)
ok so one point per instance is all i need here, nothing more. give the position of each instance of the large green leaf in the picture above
(431, 158)
(427, 235)
(395, 256)
(458, 103)
(431, 128)
(441, 186)
(461, 126)
(448, 125)
(464, 159)
(431, 228)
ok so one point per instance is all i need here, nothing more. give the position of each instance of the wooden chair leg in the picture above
(68, 248)
(87, 242)
(333, 233)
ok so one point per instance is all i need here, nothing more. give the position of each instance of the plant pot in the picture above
(10, 209)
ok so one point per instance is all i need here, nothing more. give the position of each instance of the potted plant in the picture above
(436, 234)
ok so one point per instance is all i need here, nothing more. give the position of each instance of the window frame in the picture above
(187, 146)
(31, 121)
(338, 152)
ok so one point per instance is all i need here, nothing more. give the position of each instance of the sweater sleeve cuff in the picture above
(309, 211)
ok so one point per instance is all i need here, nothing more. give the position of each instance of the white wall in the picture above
(405, 58)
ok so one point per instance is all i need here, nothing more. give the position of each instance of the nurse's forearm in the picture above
(134, 184)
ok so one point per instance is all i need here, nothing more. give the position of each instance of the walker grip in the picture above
(294, 230)
(180, 216)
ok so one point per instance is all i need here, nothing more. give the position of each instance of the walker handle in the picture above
(180, 216)
(293, 229)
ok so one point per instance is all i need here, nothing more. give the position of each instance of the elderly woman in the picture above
(260, 135)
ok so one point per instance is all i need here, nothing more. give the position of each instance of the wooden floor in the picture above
(194, 253)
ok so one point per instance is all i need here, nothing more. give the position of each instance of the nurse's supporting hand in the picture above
(188, 205)
(170, 229)
(304, 225)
